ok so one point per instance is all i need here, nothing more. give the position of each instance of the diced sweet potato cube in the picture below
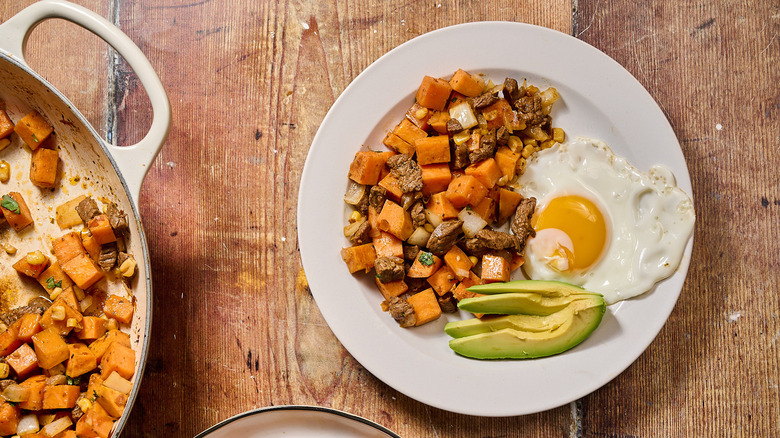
(69, 296)
(393, 187)
(436, 178)
(433, 150)
(409, 132)
(486, 209)
(433, 93)
(438, 121)
(34, 271)
(441, 206)
(66, 214)
(391, 288)
(23, 360)
(9, 419)
(387, 245)
(93, 327)
(53, 277)
(516, 262)
(508, 200)
(419, 115)
(81, 360)
(43, 167)
(33, 129)
(398, 144)
(96, 423)
(359, 258)
(37, 384)
(467, 84)
(424, 265)
(29, 324)
(426, 306)
(461, 291)
(60, 325)
(100, 345)
(465, 190)
(15, 211)
(494, 113)
(119, 308)
(60, 396)
(67, 246)
(395, 220)
(6, 125)
(458, 262)
(486, 171)
(91, 246)
(9, 340)
(118, 358)
(365, 168)
(83, 271)
(507, 161)
(494, 268)
(50, 348)
(112, 401)
(101, 230)
(443, 280)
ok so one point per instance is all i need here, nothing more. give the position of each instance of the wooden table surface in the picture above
(249, 83)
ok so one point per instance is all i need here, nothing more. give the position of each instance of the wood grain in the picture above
(235, 328)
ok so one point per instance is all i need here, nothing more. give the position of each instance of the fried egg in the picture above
(601, 223)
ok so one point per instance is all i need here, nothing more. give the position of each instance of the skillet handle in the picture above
(133, 161)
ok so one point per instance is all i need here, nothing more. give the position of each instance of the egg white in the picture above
(649, 219)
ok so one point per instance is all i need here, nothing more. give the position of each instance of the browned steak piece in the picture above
(406, 171)
(460, 155)
(487, 148)
(444, 237)
(410, 252)
(87, 209)
(11, 316)
(418, 214)
(512, 91)
(389, 269)
(486, 240)
(502, 136)
(448, 303)
(118, 219)
(454, 126)
(530, 111)
(376, 197)
(361, 236)
(108, 254)
(485, 99)
(521, 223)
(402, 312)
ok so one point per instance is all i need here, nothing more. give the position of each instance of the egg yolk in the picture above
(582, 221)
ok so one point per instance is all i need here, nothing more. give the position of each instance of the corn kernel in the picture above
(55, 293)
(521, 166)
(490, 115)
(9, 249)
(530, 142)
(84, 404)
(79, 293)
(111, 324)
(532, 89)
(5, 169)
(421, 113)
(73, 323)
(515, 144)
(559, 135)
(547, 144)
(128, 268)
(3, 327)
(461, 137)
(4, 370)
(355, 216)
(528, 151)
(36, 258)
(473, 259)
(428, 227)
(503, 180)
(57, 313)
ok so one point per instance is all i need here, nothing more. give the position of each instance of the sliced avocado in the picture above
(524, 323)
(515, 303)
(515, 344)
(546, 288)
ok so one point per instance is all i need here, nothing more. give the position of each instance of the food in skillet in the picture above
(435, 214)
(65, 362)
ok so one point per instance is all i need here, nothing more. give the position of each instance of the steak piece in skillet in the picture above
(402, 312)
(87, 209)
(406, 171)
(521, 223)
(118, 219)
(444, 237)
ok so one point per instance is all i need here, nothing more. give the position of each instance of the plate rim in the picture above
(302, 408)
(682, 175)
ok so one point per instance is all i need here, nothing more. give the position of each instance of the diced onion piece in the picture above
(350, 229)
(549, 96)
(118, 383)
(59, 379)
(355, 193)
(45, 419)
(464, 115)
(16, 393)
(461, 137)
(433, 218)
(419, 237)
(407, 199)
(472, 222)
(86, 303)
(28, 424)
(57, 426)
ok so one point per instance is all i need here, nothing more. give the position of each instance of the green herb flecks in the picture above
(425, 258)
(51, 284)
(10, 204)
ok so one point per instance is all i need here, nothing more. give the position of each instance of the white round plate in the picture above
(599, 99)
(297, 422)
